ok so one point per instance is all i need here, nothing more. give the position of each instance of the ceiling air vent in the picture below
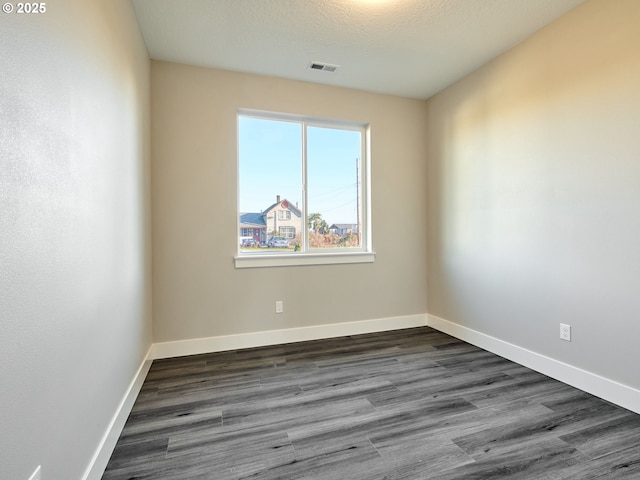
(325, 67)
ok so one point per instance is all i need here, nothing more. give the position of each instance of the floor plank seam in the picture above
(411, 404)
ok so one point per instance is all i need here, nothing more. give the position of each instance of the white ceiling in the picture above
(411, 48)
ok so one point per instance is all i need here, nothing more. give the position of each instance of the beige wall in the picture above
(74, 245)
(197, 290)
(534, 193)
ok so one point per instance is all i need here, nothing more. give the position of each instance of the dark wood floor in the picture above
(409, 404)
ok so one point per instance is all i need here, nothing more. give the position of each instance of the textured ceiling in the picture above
(411, 48)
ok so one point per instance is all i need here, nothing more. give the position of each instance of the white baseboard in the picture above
(614, 392)
(98, 463)
(623, 395)
(274, 337)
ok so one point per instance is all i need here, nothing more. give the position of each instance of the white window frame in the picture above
(284, 215)
(315, 256)
(288, 232)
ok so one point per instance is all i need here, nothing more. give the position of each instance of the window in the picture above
(284, 215)
(299, 178)
(288, 232)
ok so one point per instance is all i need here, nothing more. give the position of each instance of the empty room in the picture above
(337, 239)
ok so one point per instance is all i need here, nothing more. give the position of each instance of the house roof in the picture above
(253, 219)
(343, 225)
(289, 206)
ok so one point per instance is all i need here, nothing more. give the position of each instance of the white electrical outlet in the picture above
(36, 474)
(565, 332)
(279, 306)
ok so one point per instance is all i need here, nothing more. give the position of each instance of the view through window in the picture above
(301, 185)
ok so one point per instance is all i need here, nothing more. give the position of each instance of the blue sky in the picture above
(270, 165)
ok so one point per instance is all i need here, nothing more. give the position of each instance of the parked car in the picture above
(278, 242)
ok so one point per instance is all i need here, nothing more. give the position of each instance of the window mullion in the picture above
(305, 229)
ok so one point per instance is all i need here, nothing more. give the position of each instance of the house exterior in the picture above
(280, 219)
(252, 227)
(343, 228)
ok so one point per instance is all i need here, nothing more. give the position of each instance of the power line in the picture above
(335, 190)
(339, 206)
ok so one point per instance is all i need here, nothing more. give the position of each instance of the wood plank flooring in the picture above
(408, 404)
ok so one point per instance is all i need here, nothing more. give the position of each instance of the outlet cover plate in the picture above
(279, 306)
(565, 332)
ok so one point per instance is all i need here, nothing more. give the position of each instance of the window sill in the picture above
(299, 259)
